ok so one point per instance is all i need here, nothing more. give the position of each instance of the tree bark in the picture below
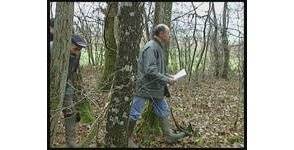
(146, 18)
(205, 55)
(204, 41)
(130, 19)
(196, 44)
(110, 45)
(225, 43)
(59, 61)
(216, 53)
(178, 47)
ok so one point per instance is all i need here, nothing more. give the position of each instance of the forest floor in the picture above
(213, 107)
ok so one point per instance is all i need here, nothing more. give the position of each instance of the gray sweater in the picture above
(151, 78)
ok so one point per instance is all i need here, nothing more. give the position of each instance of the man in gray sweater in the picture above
(151, 84)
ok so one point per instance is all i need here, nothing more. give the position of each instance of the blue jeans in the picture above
(160, 107)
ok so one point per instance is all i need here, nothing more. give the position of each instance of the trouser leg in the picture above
(162, 110)
(69, 118)
(137, 108)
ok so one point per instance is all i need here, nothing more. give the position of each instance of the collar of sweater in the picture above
(158, 40)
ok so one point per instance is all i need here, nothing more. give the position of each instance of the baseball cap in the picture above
(79, 41)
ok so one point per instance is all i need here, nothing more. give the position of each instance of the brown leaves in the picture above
(209, 106)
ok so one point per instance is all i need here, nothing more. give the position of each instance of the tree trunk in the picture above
(196, 44)
(216, 54)
(167, 21)
(204, 41)
(225, 43)
(146, 18)
(59, 61)
(207, 44)
(130, 19)
(110, 45)
(185, 53)
(178, 47)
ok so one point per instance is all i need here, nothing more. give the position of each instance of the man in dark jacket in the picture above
(69, 112)
(71, 117)
(151, 84)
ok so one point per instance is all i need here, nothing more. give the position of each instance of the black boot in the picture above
(168, 133)
(70, 131)
(131, 127)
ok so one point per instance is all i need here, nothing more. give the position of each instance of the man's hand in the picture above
(171, 80)
(170, 76)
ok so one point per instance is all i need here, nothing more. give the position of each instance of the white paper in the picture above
(180, 74)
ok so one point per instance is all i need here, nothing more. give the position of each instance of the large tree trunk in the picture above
(225, 43)
(130, 19)
(59, 61)
(110, 44)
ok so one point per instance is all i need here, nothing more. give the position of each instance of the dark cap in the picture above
(79, 41)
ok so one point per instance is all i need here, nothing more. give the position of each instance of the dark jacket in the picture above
(72, 72)
(72, 66)
(151, 79)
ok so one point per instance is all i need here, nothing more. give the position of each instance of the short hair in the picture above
(159, 28)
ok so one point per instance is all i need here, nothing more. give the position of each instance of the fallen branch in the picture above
(179, 127)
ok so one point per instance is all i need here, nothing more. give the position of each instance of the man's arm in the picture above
(150, 67)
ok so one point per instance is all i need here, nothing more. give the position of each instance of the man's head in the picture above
(162, 32)
(77, 44)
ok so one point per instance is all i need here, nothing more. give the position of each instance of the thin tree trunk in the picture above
(225, 43)
(204, 41)
(185, 54)
(216, 54)
(178, 47)
(146, 18)
(196, 44)
(110, 44)
(205, 55)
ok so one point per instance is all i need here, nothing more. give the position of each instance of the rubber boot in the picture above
(70, 132)
(168, 133)
(131, 127)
